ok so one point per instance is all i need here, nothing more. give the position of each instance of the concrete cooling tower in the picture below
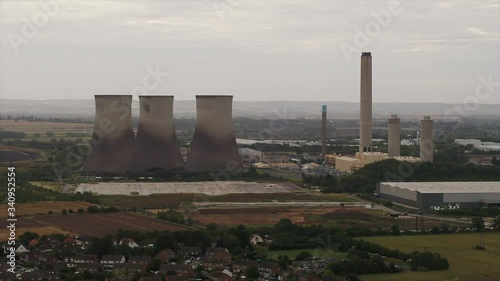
(426, 141)
(156, 143)
(112, 141)
(365, 117)
(394, 137)
(214, 146)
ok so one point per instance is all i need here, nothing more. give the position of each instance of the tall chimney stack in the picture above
(323, 126)
(365, 128)
(426, 141)
(393, 137)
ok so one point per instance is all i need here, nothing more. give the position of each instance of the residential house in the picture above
(165, 255)
(269, 268)
(242, 265)
(41, 275)
(139, 259)
(218, 253)
(128, 242)
(109, 261)
(215, 264)
(151, 278)
(187, 252)
(129, 268)
(256, 239)
(179, 269)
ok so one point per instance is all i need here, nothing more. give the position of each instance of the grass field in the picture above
(160, 201)
(316, 252)
(466, 263)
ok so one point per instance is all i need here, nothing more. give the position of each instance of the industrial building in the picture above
(438, 195)
(113, 142)
(156, 142)
(214, 146)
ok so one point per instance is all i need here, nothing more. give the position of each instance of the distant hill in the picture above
(254, 109)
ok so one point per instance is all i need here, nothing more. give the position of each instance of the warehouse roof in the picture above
(448, 187)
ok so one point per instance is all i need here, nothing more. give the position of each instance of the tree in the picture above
(26, 237)
(478, 222)
(252, 272)
(303, 256)
(395, 229)
(64, 212)
(154, 265)
(165, 241)
(93, 209)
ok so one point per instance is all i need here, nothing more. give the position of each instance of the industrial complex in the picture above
(437, 195)
(366, 155)
(115, 149)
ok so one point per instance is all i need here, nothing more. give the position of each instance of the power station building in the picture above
(113, 141)
(214, 146)
(156, 142)
(437, 195)
(115, 149)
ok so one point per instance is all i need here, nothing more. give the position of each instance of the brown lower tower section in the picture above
(156, 142)
(112, 144)
(214, 146)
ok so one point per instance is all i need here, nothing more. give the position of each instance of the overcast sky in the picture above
(428, 51)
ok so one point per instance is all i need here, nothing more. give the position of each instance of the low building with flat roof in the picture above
(425, 195)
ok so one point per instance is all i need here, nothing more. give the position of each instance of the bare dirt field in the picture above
(265, 215)
(106, 223)
(40, 230)
(206, 187)
(44, 207)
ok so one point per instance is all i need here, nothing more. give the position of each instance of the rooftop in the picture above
(448, 187)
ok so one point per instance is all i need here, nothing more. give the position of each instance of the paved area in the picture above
(209, 188)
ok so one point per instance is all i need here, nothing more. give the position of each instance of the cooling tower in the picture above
(365, 117)
(112, 141)
(323, 130)
(156, 142)
(426, 141)
(214, 146)
(393, 138)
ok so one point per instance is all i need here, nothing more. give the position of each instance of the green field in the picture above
(466, 263)
(316, 252)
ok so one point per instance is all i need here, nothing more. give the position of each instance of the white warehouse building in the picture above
(425, 195)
